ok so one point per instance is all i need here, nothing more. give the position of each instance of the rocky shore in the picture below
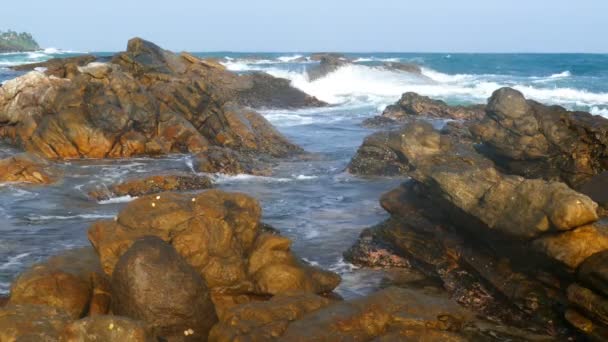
(501, 216)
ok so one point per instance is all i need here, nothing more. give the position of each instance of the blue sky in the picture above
(316, 25)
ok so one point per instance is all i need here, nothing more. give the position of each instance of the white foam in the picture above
(563, 74)
(14, 261)
(119, 199)
(67, 217)
(599, 111)
(287, 59)
(223, 178)
(305, 177)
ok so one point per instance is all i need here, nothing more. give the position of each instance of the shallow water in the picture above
(312, 201)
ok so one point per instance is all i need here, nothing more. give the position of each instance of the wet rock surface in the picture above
(147, 101)
(152, 185)
(27, 168)
(154, 284)
(72, 282)
(106, 328)
(537, 141)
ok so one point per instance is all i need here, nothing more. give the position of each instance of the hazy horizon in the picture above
(434, 26)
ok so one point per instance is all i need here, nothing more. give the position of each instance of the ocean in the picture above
(314, 202)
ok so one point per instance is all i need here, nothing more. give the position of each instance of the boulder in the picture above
(106, 328)
(412, 104)
(328, 63)
(153, 184)
(153, 283)
(27, 168)
(220, 235)
(265, 320)
(537, 141)
(72, 282)
(145, 101)
(593, 272)
(230, 162)
(58, 66)
(31, 323)
(589, 302)
(393, 311)
(572, 248)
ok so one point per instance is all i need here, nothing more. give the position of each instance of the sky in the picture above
(316, 25)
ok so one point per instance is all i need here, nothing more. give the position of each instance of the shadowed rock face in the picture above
(537, 141)
(154, 284)
(146, 101)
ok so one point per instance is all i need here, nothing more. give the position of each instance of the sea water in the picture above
(313, 201)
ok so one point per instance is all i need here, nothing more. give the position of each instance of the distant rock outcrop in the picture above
(12, 41)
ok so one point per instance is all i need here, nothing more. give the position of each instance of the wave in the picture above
(119, 199)
(35, 218)
(378, 86)
(287, 59)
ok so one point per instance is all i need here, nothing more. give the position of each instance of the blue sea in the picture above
(312, 201)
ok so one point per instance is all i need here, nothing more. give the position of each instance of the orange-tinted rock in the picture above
(152, 185)
(220, 235)
(72, 282)
(27, 168)
(106, 328)
(31, 323)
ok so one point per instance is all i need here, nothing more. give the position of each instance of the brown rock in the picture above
(538, 141)
(154, 284)
(265, 320)
(412, 104)
(153, 185)
(57, 66)
(27, 168)
(388, 311)
(220, 235)
(589, 302)
(588, 327)
(226, 161)
(146, 101)
(106, 328)
(31, 323)
(594, 272)
(72, 281)
(573, 247)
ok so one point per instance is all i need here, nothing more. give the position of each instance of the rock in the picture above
(406, 67)
(594, 272)
(393, 311)
(573, 247)
(57, 66)
(595, 188)
(153, 185)
(537, 141)
(380, 155)
(371, 251)
(153, 283)
(106, 328)
(589, 302)
(265, 320)
(594, 331)
(146, 101)
(31, 323)
(27, 168)
(414, 105)
(328, 63)
(227, 161)
(220, 235)
(379, 121)
(72, 282)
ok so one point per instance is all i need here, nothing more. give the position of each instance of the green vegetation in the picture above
(12, 41)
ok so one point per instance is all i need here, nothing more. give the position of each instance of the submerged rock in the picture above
(227, 161)
(328, 63)
(72, 282)
(151, 185)
(145, 101)
(536, 141)
(27, 168)
(154, 284)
